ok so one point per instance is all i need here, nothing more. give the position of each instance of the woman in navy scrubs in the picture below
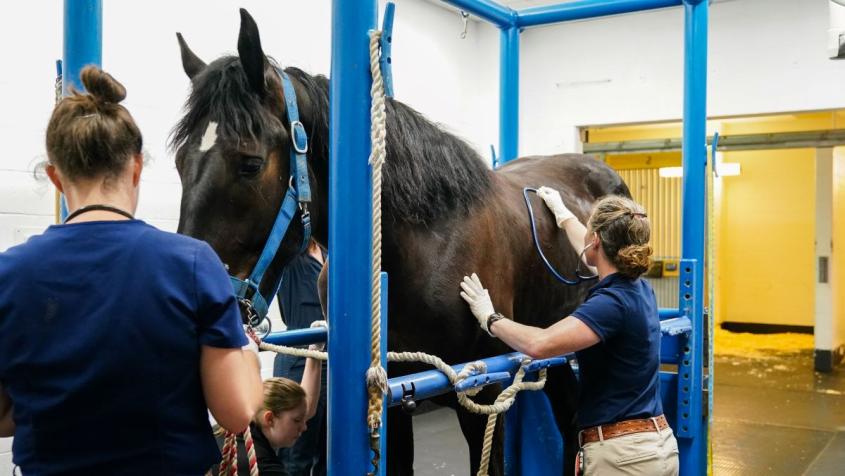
(116, 338)
(616, 336)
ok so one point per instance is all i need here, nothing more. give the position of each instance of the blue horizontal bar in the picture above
(496, 14)
(432, 382)
(298, 336)
(667, 313)
(583, 9)
(482, 379)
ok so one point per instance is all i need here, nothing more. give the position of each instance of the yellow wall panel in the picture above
(837, 265)
(766, 242)
(644, 161)
(769, 124)
(661, 198)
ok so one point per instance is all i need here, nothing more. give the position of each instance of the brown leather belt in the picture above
(622, 428)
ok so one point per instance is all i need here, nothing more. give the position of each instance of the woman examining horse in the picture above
(115, 337)
(616, 335)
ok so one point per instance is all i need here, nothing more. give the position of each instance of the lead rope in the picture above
(376, 374)
(229, 464)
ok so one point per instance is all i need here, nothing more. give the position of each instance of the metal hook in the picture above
(465, 18)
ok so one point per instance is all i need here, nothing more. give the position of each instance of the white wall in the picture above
(765, 56)
(435, 71)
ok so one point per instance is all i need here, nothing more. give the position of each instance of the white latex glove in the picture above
(478, 299)
(251, 345)
(555, 204)
(318, 346)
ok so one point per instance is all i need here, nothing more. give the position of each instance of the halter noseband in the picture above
(255, 304)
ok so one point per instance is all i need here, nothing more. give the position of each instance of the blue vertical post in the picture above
(693, 441)
(83, 39)
(83, 45)
(383, 433)
(350, 240)
(509, 94)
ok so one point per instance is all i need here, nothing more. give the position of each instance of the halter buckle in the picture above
(298, 137)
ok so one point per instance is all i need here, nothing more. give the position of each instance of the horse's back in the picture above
(580, 178)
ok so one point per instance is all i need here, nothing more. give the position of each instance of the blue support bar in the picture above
(432, 382)
(383, 430)
(297, 336)
(496, 14)
(350, 240)
(693, 448)
(583, 9)
(668, 313)
(83, 40)
(509, 95)
(386, 43)
(83, 45)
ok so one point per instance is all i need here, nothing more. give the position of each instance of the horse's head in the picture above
(233, 149)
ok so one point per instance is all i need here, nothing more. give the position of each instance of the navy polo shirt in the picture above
(620, 375)
(101, 325)
(298, 297)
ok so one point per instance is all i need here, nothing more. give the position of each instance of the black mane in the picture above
(221, 93)
(429, 173)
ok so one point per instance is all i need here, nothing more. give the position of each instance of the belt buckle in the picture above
(579, 462)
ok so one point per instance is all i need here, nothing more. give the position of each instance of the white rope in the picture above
(503, 402)
(376, 377)
(296, 351)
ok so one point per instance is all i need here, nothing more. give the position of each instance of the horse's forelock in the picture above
(221, 93)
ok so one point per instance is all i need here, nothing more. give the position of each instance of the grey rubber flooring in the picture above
(772, 416)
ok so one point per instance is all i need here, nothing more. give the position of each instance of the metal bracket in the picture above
(408, 395)
(687, 360)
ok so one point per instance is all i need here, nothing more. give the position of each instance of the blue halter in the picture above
(297, 196)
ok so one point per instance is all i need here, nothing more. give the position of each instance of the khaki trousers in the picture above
(647, 454)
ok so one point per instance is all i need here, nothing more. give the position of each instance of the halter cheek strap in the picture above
(297, 197)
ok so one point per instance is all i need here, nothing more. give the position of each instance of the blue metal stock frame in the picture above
(350, 237)
(83, 45)
(350, 209)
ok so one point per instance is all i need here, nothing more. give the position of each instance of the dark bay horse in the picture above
(445, 215)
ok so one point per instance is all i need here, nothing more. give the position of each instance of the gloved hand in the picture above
(251, 345)
(318, 346)
(478, 299)
(555, 204)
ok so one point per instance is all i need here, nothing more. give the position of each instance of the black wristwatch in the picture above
(496, 316)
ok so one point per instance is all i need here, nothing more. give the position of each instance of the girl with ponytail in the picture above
(615, 334)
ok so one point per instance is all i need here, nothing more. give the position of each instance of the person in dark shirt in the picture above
(299, 304)
(616, 336)
(282, 419)
(116, 338)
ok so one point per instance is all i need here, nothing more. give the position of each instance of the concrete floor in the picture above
(773, 415)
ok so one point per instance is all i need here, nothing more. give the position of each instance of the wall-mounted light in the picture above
(728, 169)
(723, 169)
(671, 172)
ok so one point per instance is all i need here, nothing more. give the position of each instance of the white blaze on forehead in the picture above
(209, 138)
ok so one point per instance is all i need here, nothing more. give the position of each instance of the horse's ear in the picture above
(190, 62)
(249, 50)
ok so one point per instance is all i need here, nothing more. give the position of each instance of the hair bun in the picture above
(634, 260)
(101, 85)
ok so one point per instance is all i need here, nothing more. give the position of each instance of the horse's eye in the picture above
(250, 165)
